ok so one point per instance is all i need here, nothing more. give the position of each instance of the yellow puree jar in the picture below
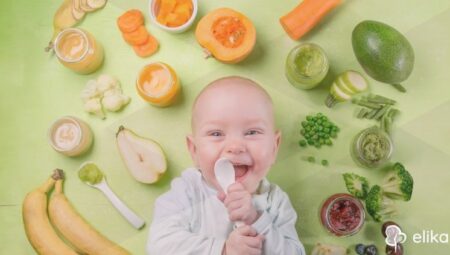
(78, 50)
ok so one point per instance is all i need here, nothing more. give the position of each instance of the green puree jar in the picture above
(372, 148)
(306, 66)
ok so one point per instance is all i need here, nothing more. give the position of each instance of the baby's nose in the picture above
(235, 147)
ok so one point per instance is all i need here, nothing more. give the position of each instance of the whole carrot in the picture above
(305, 16)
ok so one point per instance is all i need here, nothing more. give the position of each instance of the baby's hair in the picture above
(231, 80)
(236, 80)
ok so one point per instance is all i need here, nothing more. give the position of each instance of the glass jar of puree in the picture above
(372, 148)
(78, 50)
(70, 136)
(306, 66)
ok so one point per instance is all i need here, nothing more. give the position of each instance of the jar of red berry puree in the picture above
(342, 214)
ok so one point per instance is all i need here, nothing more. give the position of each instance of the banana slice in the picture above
(77, 12)
(96, 4)
(63, 17)
(85, 7)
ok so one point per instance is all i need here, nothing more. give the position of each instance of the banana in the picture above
(38, 229)
(75, 229)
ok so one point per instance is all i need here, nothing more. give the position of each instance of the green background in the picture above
(36, 89)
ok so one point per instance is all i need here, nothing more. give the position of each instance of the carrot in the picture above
(305, 16)
(130, 21)
(137, 37)
(148, 48)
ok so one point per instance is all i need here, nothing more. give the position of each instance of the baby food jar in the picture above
(372, 148)
(342, 214)
(70, 136)
(306, 66)
(78, 50)
(158, 84)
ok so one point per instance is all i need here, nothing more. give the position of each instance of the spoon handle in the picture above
(126, 212)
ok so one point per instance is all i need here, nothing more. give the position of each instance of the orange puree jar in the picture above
(78, 50)
(158, 84)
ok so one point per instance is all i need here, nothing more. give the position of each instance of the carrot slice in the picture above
(305, 16)
(130, 21)
(137, 37)
(148, 48)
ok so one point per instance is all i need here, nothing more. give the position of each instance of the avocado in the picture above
(384, 53)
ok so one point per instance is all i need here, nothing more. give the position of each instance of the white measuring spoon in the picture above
(224, 171)
(126, 212)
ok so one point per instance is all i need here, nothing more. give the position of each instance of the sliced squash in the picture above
(226, 34)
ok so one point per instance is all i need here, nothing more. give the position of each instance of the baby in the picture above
(231, 118)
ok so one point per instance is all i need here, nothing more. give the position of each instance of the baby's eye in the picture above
(252, 132)
(215, 133)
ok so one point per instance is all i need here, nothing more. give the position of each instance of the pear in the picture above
(144, 158)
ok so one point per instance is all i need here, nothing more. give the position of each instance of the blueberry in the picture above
(371, 250)
(359, 248)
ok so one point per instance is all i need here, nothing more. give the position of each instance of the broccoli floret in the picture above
(378, 205)
(357, 185)
(398, 183)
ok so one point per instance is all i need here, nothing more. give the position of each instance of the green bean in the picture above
(381, 112)
(372, 114)
(362, 113)
(382, 100)
(368, 104)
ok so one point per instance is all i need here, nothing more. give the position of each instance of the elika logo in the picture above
(394, 235)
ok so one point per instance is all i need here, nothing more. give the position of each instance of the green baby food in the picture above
(90, 173)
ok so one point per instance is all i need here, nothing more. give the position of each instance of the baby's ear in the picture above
(191, 146)
(277, 144)
(278, 138)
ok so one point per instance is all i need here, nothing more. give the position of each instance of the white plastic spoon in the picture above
(126, 212)
(224, 171)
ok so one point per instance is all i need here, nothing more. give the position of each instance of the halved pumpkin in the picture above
(226, 34)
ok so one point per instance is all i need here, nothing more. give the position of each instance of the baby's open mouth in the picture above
(240, 171)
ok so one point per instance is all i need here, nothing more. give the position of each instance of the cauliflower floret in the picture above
(94, 106)
(90, 91)
(114, 102)
(106, 82)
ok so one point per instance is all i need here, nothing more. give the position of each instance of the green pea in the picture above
(302, 131)
(315, 137)
(326, 136)
(308, 128)
(304, 123)
(321, 141)
(307, 135)
(326, 124)
(320, 128)
(302, 143)
(324, 162)
(311, 159)
(309, 117)
(310, 141)
(328, 142)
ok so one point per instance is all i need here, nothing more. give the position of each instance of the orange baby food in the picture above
(158, 84)
(78, 50)
(173, 13)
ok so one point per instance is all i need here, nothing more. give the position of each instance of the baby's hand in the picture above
(239, 204)
(243, 240)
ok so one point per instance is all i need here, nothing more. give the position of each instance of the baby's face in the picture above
(235, 122)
